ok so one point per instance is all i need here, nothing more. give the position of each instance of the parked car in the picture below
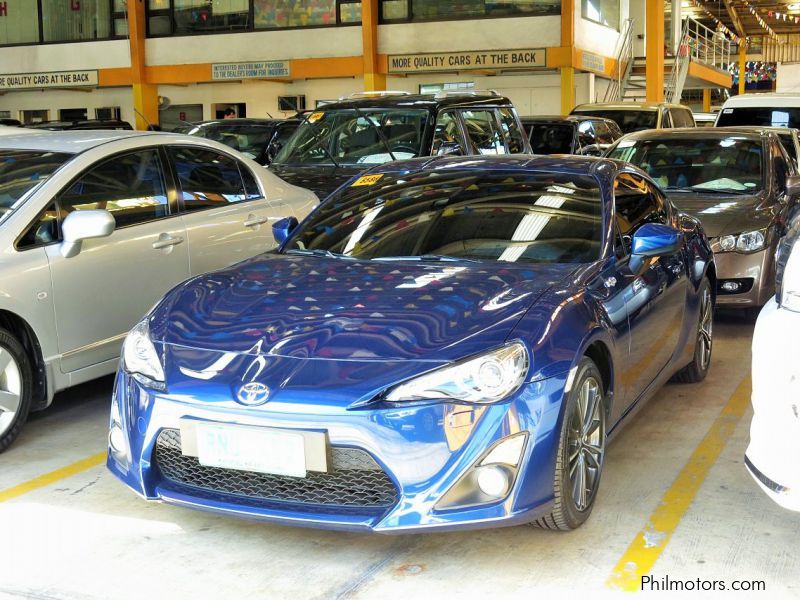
(97, 226)
(255, 138)
(735, 180)
(443, 343)
(764, 109)
(11, 122)
(788, 137)
(572, 134)
(775, 428)
(703, 119)
(345, 138)
(84, 124)
(636, 116)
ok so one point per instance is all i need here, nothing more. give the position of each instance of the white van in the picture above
(765, 110)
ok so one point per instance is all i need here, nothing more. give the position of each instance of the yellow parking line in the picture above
(650, 542)
(52, 477)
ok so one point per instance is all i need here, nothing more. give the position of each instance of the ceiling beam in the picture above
(737, 22)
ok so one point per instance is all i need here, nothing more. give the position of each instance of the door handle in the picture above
(254, 221)
(165, 241)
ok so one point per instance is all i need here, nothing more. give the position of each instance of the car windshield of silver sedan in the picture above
(365, 136)
(459, 215)
(726, 165)
(21, 171)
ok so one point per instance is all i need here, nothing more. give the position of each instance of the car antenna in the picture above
(377, 129)
(145, 119)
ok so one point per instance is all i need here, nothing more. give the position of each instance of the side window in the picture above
(781, 168)
(44, 230)
(251, 188)
(586, 134)
(512, 131)
(681, 118)
(666, 119)
(130, 186)
(447, 131)
(636, 202)
(207, 179)
(604, 135)
(787, 141)
(483, 132)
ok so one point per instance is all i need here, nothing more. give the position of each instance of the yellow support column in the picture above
(706, 100)
(742, 65)
(145, 95)
(568, 41)
(373, 79)
(654, 50)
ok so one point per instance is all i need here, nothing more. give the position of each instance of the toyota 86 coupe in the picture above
(442, 343)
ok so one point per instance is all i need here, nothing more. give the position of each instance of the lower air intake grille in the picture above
(354, 479)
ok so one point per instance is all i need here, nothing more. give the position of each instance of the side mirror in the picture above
(449, 149)
(84, 225)
(282, 229)
(272, 150)
(793, 186)
(653, 239)
(591, 150)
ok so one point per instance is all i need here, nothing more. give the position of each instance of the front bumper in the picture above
(756, 271)
(775, 429)
(424, 449)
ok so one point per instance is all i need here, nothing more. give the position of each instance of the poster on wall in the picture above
(250, 70)
(52, 79)
(461, 61)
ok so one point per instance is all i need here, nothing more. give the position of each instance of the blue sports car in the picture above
(443, 343)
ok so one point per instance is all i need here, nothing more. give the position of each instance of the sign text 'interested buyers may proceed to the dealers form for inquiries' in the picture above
(459, 61)
(251, 70)
(66, 79)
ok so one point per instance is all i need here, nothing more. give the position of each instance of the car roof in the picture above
(70, 141)
(764, 99)
(763, 128)
(564, 119)
(753, 133)
(627, 106)
(429, 101)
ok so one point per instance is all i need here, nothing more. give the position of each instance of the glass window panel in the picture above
(483, 131)
(158, 4)
(447, 9)
(202, 16)
(207, 179)
(120, 6)
(19, 23)
(512, 131)
(120, 27)
(159, 25)
(350, 13)
(605, 12)
(447, 133)
(270, 14)
(395, 10)
(73, 20)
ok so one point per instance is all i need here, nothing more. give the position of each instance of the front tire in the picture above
(697, 370)
(16, 384)
(581, 450)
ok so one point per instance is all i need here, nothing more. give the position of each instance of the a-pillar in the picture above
(654, 51)
(374, 80)
(145, 95)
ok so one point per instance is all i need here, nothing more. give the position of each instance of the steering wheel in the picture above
(404, 148)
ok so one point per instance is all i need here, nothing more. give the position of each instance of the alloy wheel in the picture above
(705, 329)
(586, 443)
(10, 389)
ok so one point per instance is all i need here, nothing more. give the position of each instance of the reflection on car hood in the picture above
(320, 179)
(317, 307)
(723, 214)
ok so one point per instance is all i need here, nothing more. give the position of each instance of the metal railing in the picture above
(698, 43)
(624, 64)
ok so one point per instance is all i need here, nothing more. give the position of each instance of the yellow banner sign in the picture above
(463, 61)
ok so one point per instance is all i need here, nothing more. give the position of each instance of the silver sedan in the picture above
(95, 227)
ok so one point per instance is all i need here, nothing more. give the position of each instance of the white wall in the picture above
(65, 57)
(53, 100)
(599, 38)
(262, 45)
(788, 77)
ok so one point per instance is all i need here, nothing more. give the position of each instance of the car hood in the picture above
(723, 214)
(339, 309)
(320, 179)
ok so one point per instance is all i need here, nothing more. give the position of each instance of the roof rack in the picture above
(375, 94)
(451, 93)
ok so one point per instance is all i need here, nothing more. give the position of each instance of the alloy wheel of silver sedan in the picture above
(586, 443)
(10, 389)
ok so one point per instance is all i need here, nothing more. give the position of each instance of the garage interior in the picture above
(678, 512)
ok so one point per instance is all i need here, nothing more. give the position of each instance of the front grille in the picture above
(354, 479)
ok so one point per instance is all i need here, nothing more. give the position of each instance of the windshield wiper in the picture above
(377, 129)
(317, 252)
(320, 143)
(427, 257)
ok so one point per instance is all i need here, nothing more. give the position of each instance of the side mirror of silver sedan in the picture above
(84, 225)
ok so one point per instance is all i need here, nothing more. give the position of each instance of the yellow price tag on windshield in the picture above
(367, 180)
(314, 117)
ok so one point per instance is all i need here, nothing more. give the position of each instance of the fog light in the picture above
(494, 481)
(731, 286)
(116, 439)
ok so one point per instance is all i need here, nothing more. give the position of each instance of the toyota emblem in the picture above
(253, 394)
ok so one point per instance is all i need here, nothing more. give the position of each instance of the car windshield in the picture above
(354, 137)
(726, 164)
(628, 120)
(459, 215)
(551, 138)
(250, 139)
(764, 116)
(21, 171)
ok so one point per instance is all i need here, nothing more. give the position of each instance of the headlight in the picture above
(140, 358)
(750, 241)
(789, 288)
(481, 380)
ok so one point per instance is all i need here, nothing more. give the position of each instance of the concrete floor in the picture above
(86, 536)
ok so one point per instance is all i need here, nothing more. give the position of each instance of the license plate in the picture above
(251, 449)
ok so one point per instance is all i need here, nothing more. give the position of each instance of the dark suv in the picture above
(573, 134)
(342, 139)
